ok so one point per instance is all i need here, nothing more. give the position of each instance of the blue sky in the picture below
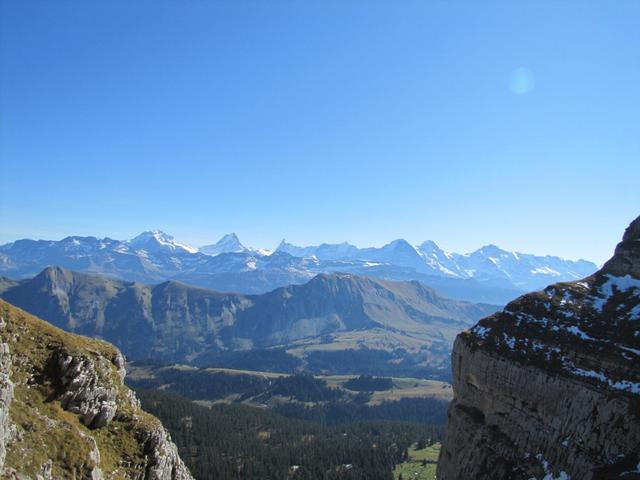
(513, 123)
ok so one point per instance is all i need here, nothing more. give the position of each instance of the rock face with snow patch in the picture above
(549, 388)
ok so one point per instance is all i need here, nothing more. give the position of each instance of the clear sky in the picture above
(513, 123)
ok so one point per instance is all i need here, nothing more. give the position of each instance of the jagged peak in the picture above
(149, 234)
(491, 249)
(229, 243)
(626, 259)
(229, 237)
(400, 244)
(632, 233)
(54, 272)
(429, 244)
(283, 244)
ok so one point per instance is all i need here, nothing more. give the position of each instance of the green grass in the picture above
(44, 429)
(413, 467)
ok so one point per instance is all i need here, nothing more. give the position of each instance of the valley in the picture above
(327, 399)
(65, 411)
(240, 442)
(295, 425)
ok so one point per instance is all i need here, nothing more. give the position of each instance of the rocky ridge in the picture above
(173, 322)
(549, 388)
(66, 412)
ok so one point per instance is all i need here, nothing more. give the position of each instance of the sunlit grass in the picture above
(421, 464)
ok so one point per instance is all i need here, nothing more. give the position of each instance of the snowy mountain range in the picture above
(488, 274)
(489, 264)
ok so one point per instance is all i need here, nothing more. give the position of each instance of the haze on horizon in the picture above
(466, 124)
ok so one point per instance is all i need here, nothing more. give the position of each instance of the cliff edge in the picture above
(65, 412)
(549, 388)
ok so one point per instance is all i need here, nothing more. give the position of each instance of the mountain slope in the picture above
(66, 413)
(550, 386)
(174, 322)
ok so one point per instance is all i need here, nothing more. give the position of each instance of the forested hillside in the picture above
(229, 442)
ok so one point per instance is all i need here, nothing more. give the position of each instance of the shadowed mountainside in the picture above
(175, 322)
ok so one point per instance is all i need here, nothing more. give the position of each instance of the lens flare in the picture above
(521, 81)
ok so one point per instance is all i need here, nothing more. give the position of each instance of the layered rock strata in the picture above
(549, 388)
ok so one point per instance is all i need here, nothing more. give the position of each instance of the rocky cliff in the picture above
(65, 412)
(549, 388)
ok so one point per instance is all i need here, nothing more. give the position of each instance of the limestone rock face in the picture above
(549, 388)
(83, 393)
(6, 395)
(164, 461)
(66, 413)
(625, 260)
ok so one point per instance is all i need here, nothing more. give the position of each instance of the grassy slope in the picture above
(46, 431)
(413, 467)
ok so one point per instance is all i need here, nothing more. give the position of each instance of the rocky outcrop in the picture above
(66, 413)
(82, 391)
(549, 388)
(163, 460)
(6, 395)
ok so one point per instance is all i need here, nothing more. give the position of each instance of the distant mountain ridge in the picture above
(487, 264)
(174, 322)
(489, 274)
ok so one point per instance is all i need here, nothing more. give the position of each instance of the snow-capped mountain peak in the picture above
(399, 243)
(491, 250)
(429, 245)
(155, 256)
(229, 243)
(155, 240)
